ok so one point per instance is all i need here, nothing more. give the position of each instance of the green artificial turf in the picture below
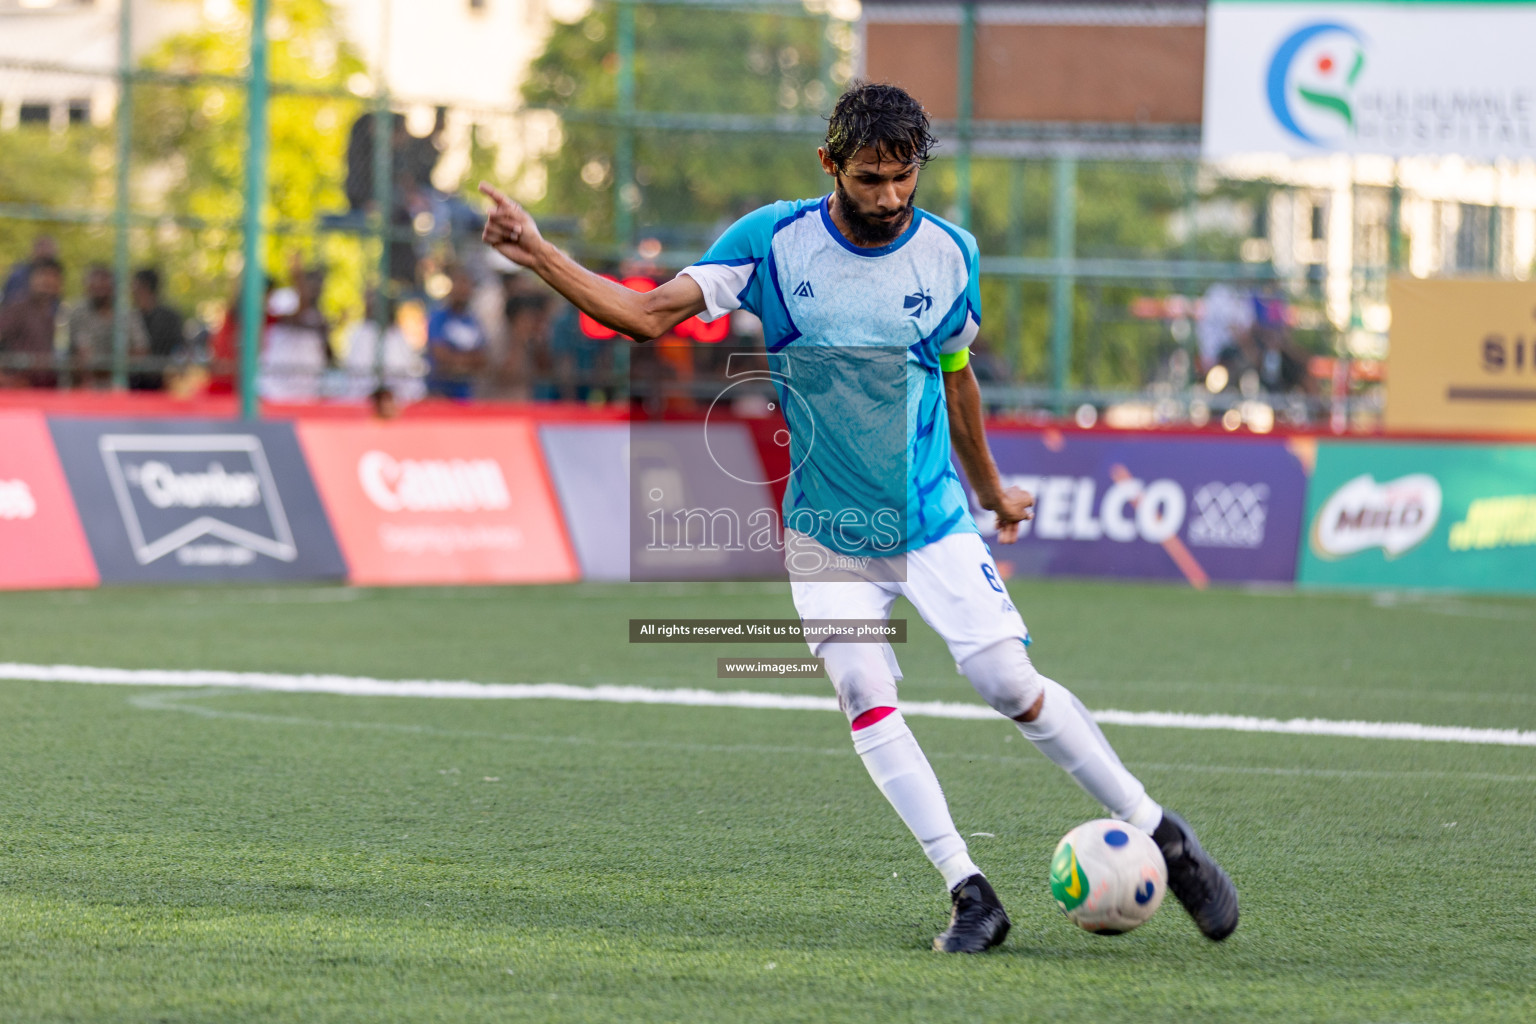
(215, 855)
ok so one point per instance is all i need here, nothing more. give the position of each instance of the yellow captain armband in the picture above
(949, 362)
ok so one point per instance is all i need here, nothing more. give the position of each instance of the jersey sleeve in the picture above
(728, 273)
(960, 341)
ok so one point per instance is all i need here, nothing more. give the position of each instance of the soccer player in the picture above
(837, 282)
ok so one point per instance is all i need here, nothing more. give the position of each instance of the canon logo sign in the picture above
(433, 485)
(16, 501)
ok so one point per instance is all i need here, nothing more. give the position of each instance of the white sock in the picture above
(1067, 734)
(898, 766)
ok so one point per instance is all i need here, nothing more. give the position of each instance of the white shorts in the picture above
(953, 584)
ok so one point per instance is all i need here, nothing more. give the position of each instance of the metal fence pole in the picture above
(1063, 282)
(383, 223)
(384, 218)
(120, 294)
(1395, 221)
(253, 279)
(966, 60)
(1014, 305)
(624, 150)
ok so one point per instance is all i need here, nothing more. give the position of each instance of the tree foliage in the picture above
(190, 153)
(59, 175)
(687, 60)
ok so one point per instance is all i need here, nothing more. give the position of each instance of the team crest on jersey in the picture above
(918, 303)
(803, 290)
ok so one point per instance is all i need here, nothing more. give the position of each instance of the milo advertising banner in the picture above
(1456, 516)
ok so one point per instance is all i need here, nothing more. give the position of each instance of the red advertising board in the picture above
(41, 542)
(424, 502)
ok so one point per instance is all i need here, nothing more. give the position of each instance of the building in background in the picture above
(467, 55)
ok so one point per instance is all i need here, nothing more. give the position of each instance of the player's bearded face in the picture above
(869, 225)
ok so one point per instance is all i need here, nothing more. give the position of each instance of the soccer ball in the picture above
(1108, 877)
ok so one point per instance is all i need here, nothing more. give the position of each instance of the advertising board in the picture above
(1459, 516)
(1415, 77)
(182, 501)
(1463, 356)
(439, 502)
(1203, 511)
(665, 501)
(41, 541)
(589, 466)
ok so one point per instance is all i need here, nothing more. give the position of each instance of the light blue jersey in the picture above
(854, 336)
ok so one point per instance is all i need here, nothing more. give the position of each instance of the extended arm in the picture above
(640, 315)
(966, 433)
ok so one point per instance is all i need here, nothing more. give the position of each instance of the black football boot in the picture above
(1196, 879)
(978, 922)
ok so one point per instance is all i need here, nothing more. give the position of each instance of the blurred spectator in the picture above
(412, 161)
(27, 328)
(455, 340)
(402, 368)
(43, 248)
(1282, 364)
(1223, 326)
(310, 285)
(296, 347)
(526, 308)
(576, 367)
(164, 331)
(88, 330)
(385, 405)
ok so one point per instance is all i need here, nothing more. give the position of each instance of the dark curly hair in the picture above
(883, 116)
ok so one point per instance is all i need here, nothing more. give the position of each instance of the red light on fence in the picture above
(711, 333)
(591, 328)
(693, 327)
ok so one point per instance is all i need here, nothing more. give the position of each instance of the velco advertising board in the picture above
(1408, 78)
(41, 541)
(1459, 516)
(1155, 509)
(189, 501)
(444, 502)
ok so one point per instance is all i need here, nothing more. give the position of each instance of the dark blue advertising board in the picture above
(589, 467)
(189, 501)
(1200, 510)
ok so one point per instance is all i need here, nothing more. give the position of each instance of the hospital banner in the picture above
(1405, 78)
(41, 541)
(439, 502)
(1199, 510)
(1453, 516)
(195, 501)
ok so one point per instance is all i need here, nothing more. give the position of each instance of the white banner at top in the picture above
(1395, 79)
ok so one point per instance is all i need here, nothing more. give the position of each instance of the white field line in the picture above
(362, 686)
